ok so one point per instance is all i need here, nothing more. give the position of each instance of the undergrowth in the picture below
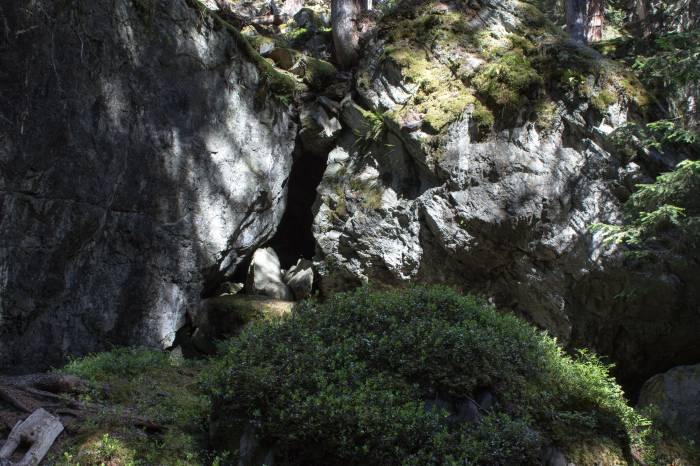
(142, 382)
(356, 380)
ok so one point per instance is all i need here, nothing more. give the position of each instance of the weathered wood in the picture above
(594, 27)
(39, 431)
(26, 393)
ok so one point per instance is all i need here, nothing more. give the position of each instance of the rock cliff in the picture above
(140, 154)
(485, 154)
(146, 153)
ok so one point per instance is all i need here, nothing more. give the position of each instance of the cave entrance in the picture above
(294, 238)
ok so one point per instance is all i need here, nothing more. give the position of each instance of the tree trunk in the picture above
(344, 16)
(596, 14)
(693, 14)
(641, 14)
(576, 19)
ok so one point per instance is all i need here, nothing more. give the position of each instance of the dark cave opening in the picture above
(294, 238)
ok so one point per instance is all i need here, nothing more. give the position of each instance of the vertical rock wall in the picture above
(137, 154)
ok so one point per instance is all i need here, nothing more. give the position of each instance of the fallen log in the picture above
(27, 393)
(38, 431)
(51, 402)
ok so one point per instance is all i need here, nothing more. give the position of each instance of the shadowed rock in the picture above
(135, 161)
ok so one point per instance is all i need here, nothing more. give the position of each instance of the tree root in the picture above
(55, 393)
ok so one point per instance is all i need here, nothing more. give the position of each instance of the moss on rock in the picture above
(438, 96)
(318, 73)
(451, 60)
(278, 83)
(509, 81)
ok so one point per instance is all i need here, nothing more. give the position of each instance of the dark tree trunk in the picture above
(596, 14)
(642, 9)
(576, 19)
(344, 18)
(693, 14)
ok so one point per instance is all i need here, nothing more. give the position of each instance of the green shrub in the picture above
(120, 363)
(351, 381)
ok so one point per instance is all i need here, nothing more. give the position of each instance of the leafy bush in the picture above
(376, 378)
(669, 205)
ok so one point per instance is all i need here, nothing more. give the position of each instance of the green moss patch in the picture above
(131, 383)
(241, 309)
(439, 98)
(437, 49)
(509, 80)
(277, 83)
(318, 73)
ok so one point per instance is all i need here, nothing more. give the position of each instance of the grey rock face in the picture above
(676, 397)
(134, 160)
(318, 130)
(507, 217)
(265, 276)
(554, 457)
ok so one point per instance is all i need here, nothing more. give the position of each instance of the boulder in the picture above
(554, 457)
(228, 288)
(300, 279)
(284, 58)
(317, 74)
(674, 397)
(318, 130)
(147, 159)
(265, 276)
(445, 187)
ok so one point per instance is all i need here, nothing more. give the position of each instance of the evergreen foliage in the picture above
(668, 209)
(364, 377)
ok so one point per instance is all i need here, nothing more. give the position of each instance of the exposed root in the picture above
(55, 393)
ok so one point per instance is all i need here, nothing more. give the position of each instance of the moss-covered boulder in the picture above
(226, 315)
(481, 150)
(496, 61)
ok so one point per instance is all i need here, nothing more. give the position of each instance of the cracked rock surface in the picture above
(505, 214)
(135, 160)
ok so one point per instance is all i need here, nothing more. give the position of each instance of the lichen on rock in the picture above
(492, 161)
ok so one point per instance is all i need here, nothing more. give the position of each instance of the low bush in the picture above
(382, 378)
